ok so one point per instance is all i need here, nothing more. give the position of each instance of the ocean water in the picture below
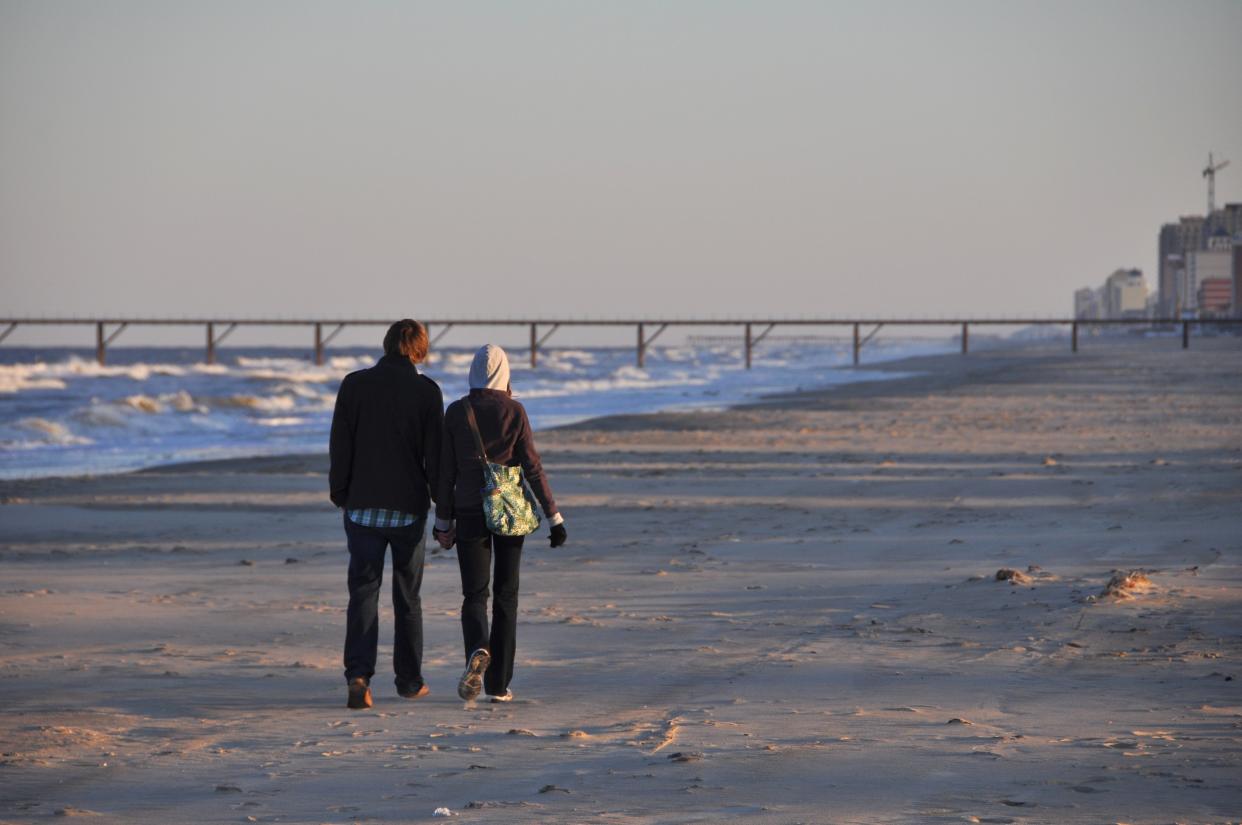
(63, 414)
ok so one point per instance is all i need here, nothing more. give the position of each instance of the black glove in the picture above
(558, 535)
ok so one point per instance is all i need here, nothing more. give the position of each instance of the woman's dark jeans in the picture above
(367, 546)
(474, 557)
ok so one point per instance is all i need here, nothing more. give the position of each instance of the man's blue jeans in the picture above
(367, 546)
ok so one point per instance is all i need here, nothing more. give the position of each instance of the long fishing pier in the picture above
(217, 329)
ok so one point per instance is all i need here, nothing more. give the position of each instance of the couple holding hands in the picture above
(392, 450)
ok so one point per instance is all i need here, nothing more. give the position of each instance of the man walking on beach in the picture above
(384, 461)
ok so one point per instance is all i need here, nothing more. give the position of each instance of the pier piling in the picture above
(102, 339)
(644, 342)
(214, 340)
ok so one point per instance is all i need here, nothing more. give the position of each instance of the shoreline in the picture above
(922, 365)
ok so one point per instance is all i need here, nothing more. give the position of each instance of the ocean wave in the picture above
(276, 403)
(15, 381)
(305, 376)
(80, 368)
(144, 403)
(281, 421)
(453, 363)
(294, 370)
(28, 376)
(301, 391)
(349, 363)
(52, 432)
(56, 375)
(102, 415)
(182, 401)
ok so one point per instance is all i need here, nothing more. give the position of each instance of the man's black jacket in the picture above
(385, 444)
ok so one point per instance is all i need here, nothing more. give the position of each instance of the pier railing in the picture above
(754, 330)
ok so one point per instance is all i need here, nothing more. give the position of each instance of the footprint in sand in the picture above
(1006, 574)
(685, 756)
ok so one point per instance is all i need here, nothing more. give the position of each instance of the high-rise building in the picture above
(1231, 220)
(1237, 275)
(1124, 295)
(1179, 271)
(1213, 262)
(1087, 304)
(1176, 239)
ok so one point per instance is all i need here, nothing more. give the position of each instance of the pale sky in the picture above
(601, 159)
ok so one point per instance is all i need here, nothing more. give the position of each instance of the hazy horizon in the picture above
(603, 160)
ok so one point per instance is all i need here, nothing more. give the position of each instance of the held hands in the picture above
(558, 536)
(446, 538)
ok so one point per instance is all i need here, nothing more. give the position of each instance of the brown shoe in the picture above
(359, 694)
(422, 691)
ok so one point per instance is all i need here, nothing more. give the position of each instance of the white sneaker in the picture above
(507, 696)
(471, 683)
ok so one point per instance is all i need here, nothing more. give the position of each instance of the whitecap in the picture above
(300, 390)
(20, 377)
(349, 363)
(281, 421)
(144, 403)
(52, 432)
(274, 403)
(182, 401)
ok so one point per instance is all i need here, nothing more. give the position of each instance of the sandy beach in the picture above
(783, 613)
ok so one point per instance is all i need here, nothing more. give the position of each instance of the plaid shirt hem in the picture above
(379, 517)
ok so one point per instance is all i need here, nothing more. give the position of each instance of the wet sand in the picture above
(788, 612)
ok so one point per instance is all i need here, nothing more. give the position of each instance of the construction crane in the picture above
(1210, 174)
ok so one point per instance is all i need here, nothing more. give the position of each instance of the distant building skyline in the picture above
(1195, 249)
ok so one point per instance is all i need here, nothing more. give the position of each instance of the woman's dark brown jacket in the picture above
(508, 439)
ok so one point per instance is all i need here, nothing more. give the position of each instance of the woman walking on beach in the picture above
(488, 417)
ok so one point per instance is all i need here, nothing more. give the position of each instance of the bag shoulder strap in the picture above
(474, 430)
